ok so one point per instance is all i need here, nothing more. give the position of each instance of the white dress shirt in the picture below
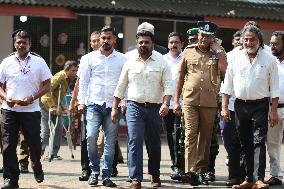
(251, 81)
(147, 81)
(100, 75)
(174, 65)
(25, 83)
(280, 66)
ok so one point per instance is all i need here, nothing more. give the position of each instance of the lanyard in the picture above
(24, 68)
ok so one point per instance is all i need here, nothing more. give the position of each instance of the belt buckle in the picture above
(146, 104)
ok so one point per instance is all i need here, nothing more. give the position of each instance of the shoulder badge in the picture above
(35, 54)
(13, 53)
(190, 46)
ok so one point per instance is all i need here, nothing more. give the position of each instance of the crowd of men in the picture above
(178, 90)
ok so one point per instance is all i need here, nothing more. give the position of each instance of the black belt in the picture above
(145, 104)
(252, 101)
(279, 105)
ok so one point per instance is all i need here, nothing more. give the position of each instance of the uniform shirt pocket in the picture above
(154, 74)
(192, 64)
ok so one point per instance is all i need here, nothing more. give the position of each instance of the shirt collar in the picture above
(152, 57)
(113, 53)
(168, 55)
(18, 58)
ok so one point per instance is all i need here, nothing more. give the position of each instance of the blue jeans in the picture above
(143, 122)
(96, 116)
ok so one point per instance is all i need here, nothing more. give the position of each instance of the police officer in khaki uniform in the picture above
(199, 78)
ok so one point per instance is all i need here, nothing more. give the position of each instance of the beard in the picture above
(106, 47)
(278, 53)
(143, 51)
(252, 50)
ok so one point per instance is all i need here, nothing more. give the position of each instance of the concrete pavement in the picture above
(63, 174)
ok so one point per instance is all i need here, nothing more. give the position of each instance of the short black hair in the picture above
(69, 63)
(279, 33)
(145, 33)
(108, 29)
(252, 23)
(237, 33)
(256, 30)
(95, 33)
(21, 33)
(176, 34)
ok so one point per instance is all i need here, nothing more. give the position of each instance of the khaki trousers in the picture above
(199, 122)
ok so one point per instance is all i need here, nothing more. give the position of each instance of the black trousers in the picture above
(85, 161)
(233, 148)
(10, 127)
(173, 128)
(252, 125)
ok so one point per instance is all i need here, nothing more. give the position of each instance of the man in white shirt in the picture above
(99, 73)
(275, 134)
(24, 78)
(253, 78)
(148, 79)
(171, 120)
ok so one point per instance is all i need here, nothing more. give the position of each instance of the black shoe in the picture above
(39, 175)
(84, 176)
(93, 180)
(202, 179)
(24, 169)
(233, 181)
(114, 172)
(176, 174)
(273, 181)
(210, 176)
(108, 183)
(8, 184)
(191, 178)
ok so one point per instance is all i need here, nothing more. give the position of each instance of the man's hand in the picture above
(114, 115)
(81, 108)
(123, 106)
(27, 101)
(164, 110)
(225, 113)
(273, 118)
(54, 111)
(177, 109)
(9, 102)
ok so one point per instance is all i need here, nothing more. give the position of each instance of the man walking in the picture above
(199, 79)
(24, 78)
(99, 74)
(59, 86)
(253, 78)
(171, 120)
(275, 134)
(149, 83)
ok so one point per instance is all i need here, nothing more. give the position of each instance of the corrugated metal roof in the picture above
(254, 9)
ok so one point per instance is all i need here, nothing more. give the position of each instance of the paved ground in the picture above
(64, 174)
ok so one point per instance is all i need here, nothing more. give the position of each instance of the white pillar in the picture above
(6, 45)
(129, 32)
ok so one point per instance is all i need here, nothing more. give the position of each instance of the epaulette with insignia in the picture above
(13, 53)
(190, 46)
(35, 54)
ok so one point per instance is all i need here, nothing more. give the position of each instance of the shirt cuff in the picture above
(118, 95)
(274, 94)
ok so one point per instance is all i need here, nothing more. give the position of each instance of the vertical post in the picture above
(50, 42)
(89, 31)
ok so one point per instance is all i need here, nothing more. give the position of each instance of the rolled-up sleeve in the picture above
(274, 80)
(85, 74)
(122, 83)
(167, 80)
